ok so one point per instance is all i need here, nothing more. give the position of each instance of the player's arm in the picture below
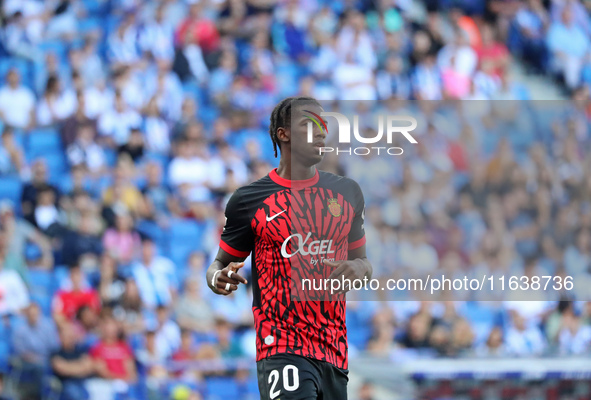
(222, 275)
(236, 244)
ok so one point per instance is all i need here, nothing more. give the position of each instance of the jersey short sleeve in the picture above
(237, 237)
(357, 233)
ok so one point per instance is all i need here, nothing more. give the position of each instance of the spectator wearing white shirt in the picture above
(85, 151)
(574, 336)
(354, 81)
(157, 36)
(426, 79)
(55, 105)
(99, 99)
(155, 276)
(458, 55)
(355, 41)
(122, 44)
(569, 46)
(192, 170)
(156, 129)
(168, 333)
(14, 295)
(117, 123)
(524, 338)
(17, 102)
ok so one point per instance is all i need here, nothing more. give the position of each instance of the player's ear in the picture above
(283, 135)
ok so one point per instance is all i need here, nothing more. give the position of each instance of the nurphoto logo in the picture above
(345, 133)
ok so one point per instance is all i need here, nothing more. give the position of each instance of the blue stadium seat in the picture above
(56, 164)
(250, 389)
(153, 231)
(222, 389)
(185, 237)
(11, 188)
(60, 275)
(89, 24)
(4, 347)
(59, 48)
(41, 288)
(44, 141)
(21, 65)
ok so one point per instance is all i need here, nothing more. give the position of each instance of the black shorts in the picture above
(292, 377)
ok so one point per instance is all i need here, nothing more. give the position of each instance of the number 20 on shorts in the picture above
(289, 385)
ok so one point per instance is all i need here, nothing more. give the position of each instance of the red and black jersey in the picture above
(290, 227)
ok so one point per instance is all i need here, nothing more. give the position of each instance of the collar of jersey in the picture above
(296, 184)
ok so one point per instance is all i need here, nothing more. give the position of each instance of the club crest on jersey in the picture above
(334, 208)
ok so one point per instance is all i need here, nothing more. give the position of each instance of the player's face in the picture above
(305, 149)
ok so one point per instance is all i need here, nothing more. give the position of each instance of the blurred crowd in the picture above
(126, 124)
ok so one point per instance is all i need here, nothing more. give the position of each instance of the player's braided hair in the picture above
(281, 117)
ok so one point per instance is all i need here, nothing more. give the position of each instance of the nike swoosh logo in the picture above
(269, 219)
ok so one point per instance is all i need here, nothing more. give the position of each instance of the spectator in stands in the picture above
(155, 276)
(33, 340)
(524, 338)
(56, 104)
(68, 301)
(152, 361)
(12, 158)
(382, 340)
(47, 217)
(574, 337)
(121, 242)
(569, 46)
(129, 311)
(168, 333)
(157, 195)
(531, 22)
(17, 102)
(116, 123)
(71, 365)
(494, 345)
(83, 242)
(39, 178)
(84, 150)
(113, 360)
(17, 232)
(123, 197)
(14, 295)
(193, 312)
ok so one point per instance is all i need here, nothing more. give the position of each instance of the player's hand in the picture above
(227, 279)
(348, 269)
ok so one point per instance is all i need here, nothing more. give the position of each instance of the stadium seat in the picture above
(60, 275)
(185, 237)
(4, 347)
(11, 188)
(21, 65)
(222, 389)
(153, 231)
(56, 164)
(43, 141)
(57, 47)
(41, 288)
(250, 389)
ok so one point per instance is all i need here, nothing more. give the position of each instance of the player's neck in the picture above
(294, 172)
